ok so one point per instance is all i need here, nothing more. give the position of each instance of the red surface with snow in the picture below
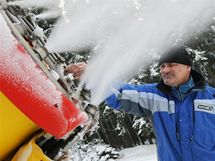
(25, 84)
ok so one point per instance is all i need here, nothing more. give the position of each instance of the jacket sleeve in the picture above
(133, 99)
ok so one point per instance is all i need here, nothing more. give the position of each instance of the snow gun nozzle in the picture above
(3, 4)
(92, 109)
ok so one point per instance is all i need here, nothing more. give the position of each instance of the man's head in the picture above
(175, 67)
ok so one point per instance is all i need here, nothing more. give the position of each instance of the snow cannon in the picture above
(35, 93)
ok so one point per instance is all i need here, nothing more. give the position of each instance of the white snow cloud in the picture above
(124, 34)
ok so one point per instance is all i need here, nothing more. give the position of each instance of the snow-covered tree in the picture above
(93, 151)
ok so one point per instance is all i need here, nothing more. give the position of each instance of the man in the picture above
(181, 107)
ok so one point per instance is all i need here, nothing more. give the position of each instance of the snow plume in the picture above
(51, 4)
(55, 8)
(124, 35)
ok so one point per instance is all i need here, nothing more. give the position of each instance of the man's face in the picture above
(174, 74)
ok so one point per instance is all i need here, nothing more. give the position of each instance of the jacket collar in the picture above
(197, 78)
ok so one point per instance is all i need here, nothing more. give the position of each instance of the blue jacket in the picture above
(184, 124)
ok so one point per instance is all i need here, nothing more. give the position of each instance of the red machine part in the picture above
(26, 85)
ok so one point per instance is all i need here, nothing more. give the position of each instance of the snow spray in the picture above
(125, 35)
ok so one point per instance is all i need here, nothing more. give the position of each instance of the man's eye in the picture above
(162, 66)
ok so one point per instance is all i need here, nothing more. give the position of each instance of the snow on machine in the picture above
(39, 120)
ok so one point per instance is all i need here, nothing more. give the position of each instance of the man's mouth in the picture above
(167, 77)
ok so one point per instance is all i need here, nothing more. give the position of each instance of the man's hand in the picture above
(76, 69)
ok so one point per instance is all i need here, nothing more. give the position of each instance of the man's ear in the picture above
(188, 67)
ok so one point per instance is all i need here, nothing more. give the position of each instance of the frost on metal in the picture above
(35, 81)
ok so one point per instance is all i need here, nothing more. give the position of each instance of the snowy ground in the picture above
(139, 153)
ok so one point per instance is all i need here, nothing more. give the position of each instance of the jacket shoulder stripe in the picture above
(149, 101)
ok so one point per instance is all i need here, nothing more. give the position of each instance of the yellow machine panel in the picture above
(15, 127)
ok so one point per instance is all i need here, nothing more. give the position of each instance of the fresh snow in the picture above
(103, 152)
(139, 153)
